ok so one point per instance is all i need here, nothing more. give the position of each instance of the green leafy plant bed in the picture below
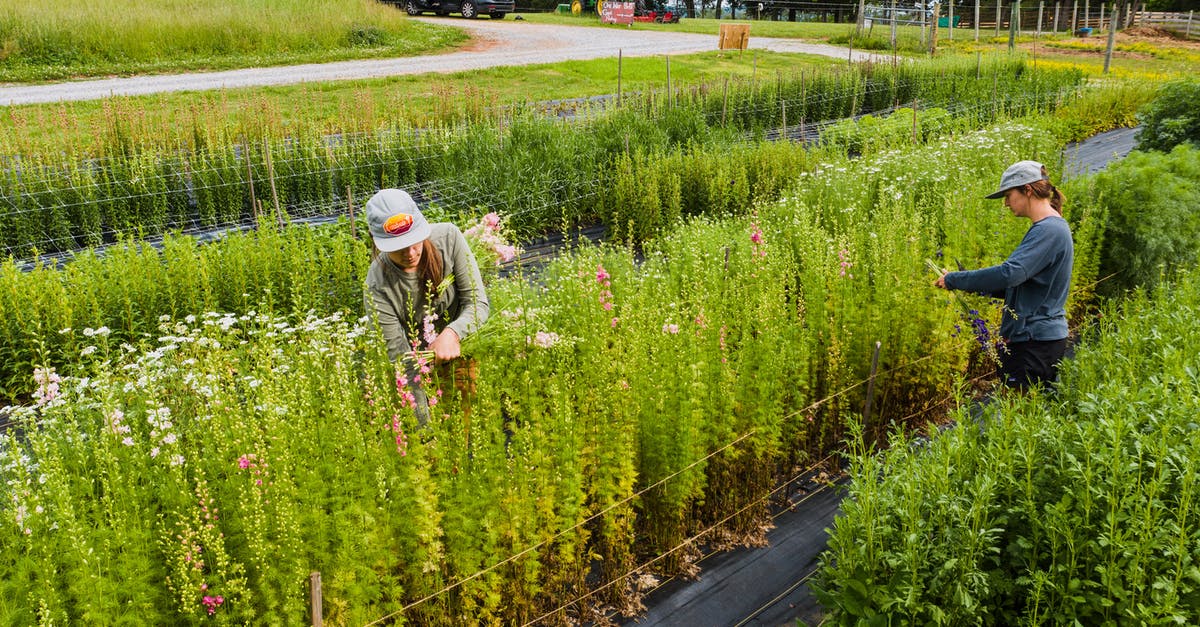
(135, 190)
(1078, 507)
(200, 465)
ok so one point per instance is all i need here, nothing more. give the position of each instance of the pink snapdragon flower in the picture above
(429, 332)
(47, 385)
(211, 603)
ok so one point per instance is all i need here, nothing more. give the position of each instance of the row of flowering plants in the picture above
(1072, 508)
(211, 181)
(200, 468)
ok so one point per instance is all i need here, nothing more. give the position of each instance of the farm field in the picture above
(196, 425)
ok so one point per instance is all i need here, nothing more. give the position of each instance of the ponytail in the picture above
(1045, 189)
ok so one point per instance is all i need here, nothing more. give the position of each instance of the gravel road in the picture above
(494, 43)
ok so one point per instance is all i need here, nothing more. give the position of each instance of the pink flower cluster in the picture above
(606, 295)
(543, 339)
(670, 329)
(756, 238)
(249, 462)
(846, 264)
(212, 603)
(408, 398)
(429, 332)
(487, 230)
(47, 385)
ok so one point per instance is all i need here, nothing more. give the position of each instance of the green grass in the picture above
(81, 127)
(50, 41)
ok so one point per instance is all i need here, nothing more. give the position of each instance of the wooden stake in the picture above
(725, 102)
(314, 580)
(619, 52)
(250, 179)
(871, 385)
(271, 178)
(350, 205)
(670, 97)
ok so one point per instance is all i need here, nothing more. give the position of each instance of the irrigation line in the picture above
(564, 531)
(814, 466)
(779, 596)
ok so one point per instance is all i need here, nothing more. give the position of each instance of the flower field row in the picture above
(201, 466)
(228, 178)
(1074, 508)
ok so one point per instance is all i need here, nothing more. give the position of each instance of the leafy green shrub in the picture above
(1079, 509)
(1172, 118)
(1153, 225)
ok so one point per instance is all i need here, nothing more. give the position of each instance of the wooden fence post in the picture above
(998, 8)
(1074, 17)
(314, 579)
(1087, 13)
(893, 23)
(1188, 30)
(950, 21)
(976, 20)
(1100, 26)
(933, 28)
(1054, 26)
(1041, 6)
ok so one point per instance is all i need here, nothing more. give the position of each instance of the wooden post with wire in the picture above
(250, 181)
(271, 178)
(871, 386)
(619, 54)
(725, 101)
(350, 206)
(670, 97)
(314, 581)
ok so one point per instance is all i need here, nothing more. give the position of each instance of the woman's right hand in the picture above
(446, 345)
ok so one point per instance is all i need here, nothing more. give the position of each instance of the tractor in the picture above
(579, 7)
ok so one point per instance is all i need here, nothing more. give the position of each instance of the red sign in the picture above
(617, 12)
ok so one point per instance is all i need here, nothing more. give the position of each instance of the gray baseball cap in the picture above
(1018, 174)
(394, 220)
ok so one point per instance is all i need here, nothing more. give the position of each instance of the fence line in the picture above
(456, 192)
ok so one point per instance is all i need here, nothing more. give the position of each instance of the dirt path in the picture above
(495, 43)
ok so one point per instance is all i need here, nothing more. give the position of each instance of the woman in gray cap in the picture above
(425, 291)
(1033, 281)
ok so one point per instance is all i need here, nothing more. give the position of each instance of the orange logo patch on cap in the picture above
(398, 224)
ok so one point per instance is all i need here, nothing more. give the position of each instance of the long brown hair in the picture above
(1045, 189)
(430, 268)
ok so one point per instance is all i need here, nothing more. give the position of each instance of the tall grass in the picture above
(40, 40)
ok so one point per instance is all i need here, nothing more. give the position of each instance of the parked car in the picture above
(469, 9)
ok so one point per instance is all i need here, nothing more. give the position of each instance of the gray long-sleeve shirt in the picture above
(1034, 282)
(397, 301)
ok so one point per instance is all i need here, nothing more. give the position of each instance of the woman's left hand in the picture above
(446, 345)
